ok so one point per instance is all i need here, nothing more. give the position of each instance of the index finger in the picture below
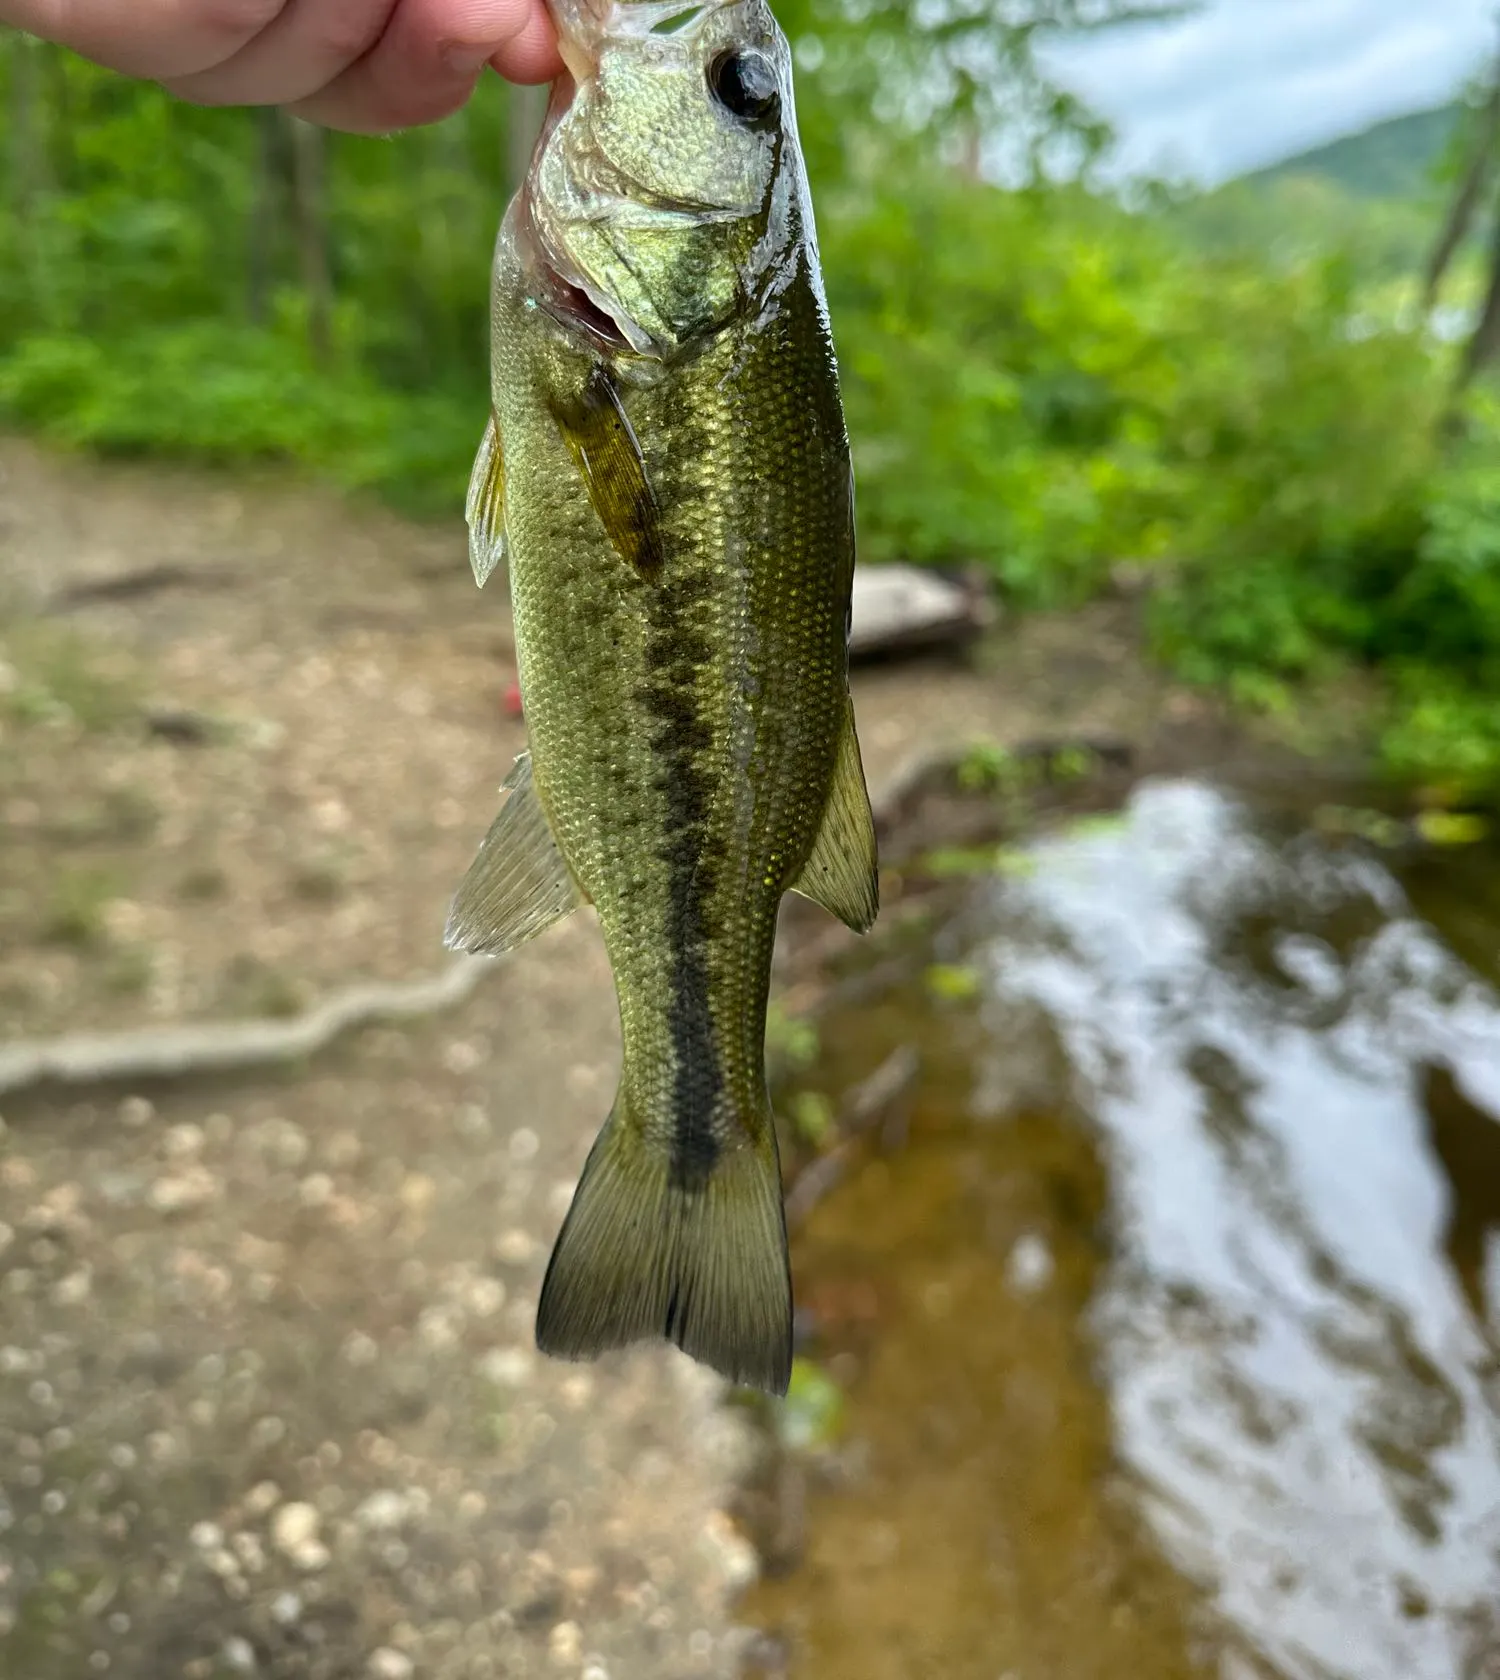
(148, 38)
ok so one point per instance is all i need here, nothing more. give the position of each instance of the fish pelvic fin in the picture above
(703, 1263)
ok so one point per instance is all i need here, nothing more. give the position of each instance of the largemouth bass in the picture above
(666, 472)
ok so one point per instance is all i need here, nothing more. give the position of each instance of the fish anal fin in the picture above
(485, 507)
(518, 884)
(842, 873)
(598, 433)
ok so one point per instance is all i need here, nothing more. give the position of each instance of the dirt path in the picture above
(268, 1398)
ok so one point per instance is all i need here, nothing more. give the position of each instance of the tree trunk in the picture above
(1461, 213)
(1484, 344)
(528, 105)
(267, 198)
(309, 173)
(30, 168)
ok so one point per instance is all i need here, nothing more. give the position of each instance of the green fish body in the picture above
(667, 473)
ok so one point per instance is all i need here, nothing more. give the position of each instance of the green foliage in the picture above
(1046, 384)
(1228, 393)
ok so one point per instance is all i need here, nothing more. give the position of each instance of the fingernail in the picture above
(465, 58)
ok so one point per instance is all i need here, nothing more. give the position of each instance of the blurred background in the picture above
(1143, 1164)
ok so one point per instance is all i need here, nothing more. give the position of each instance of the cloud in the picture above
(1247, 81)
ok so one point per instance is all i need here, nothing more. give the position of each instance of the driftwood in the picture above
(225, 1046)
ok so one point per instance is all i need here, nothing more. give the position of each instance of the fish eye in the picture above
(745, 84)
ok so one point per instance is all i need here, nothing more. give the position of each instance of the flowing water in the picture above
(1168, 1327)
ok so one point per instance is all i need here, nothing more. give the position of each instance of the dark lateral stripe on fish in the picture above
(603, 442)
(676, 649)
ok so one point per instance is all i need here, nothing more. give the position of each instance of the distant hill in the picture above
(1394, 159)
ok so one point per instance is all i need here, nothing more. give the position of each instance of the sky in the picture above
(1247, 82)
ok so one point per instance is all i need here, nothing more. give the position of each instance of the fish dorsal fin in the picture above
(842, 874)
(485, 508)
(603, 443)
(518, 885)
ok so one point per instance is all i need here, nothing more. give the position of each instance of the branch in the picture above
(1461, 214)
(216, 1047)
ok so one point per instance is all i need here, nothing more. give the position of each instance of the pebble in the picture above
(7, 1236)
(178, 1192)
(382, 1512)
(736, 1558)
(514, 1248)
(206, 1536)
(565, 1643)
(484, 1297)
(506, 1367)
(286, 1608)
(135, 1111)
(524, 1144)
(182, 1142)
(310, 1556)
(74, 1289)
(261, 1498)
(239, 1655)
(360, 1349)
(294, 1526)
(389, 1664)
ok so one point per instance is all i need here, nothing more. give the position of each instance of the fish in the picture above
(666, 477)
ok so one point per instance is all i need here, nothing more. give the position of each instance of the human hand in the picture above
(367, 66)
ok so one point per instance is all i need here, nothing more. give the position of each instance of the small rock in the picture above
(523, 1146)
(484, 1297)
(506, 1367)
(389, 1664)
(222, 1562)
(360, 1349)
(565, 1643)
(179, 1192)
(736, 1558)
(74, 1289)
(7, 1236)
(382, 1512)
(206, 1536)
(182, 1142)
(135, 1111)
(261, 1498)
(286, 1608)
(239, 1655)
(294, 1526)
(310, 1556)
(514, 1248)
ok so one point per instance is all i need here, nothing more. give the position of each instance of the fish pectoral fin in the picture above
(518, 885)
(842, 873)
(485, 507)
(599, 435)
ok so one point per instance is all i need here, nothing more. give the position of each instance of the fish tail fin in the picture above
(704, 1263)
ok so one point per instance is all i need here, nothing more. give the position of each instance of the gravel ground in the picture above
(269, 1402)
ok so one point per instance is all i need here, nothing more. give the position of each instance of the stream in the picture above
(1166, 1318)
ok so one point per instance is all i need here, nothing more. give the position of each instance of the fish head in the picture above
(664, 195)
